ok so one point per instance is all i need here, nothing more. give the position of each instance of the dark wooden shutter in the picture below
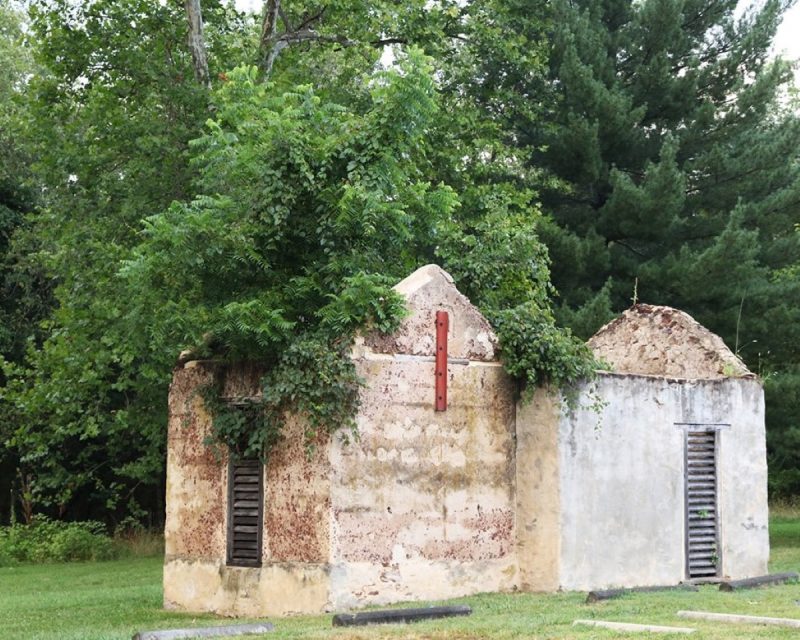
(702, 532)
(245, 512)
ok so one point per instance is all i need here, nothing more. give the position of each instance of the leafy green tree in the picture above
(492, 246)
(306, 213)
(19, 303)
(108, 118)
(25, 290)
(783, 398)
(274, 235)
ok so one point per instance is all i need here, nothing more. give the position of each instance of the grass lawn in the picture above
(113, 600)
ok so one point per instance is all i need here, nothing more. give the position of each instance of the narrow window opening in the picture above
(702, 513)
(245, 512)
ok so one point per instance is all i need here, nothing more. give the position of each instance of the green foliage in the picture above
(25, 290)
(289, 175)
(314, 379)
(500, 264)
(308, 213)
(24, 294)
(542, 352)
(107, 116)
(782, 395)
(48, 540)
(492, 247)
(662, 196)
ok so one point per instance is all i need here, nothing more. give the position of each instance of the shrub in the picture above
(48, 540)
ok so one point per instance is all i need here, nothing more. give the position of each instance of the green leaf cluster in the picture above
(307, 213)
(103, 118)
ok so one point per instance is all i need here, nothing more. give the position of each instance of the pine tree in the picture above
(672, 161)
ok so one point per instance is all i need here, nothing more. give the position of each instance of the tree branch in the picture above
(625, 245)
(274, 51)
(271, 44)
(309, 35)
(309, 20)
(384, 41)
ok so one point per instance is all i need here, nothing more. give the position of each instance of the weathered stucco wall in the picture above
(622, 480)
(420, 506)
(621, 473)
(297, 500)
(428, 290)
(423, 502)
(485, 496)
(294, 575)
(275, 589)
(743, 483)
(538, 493)
(662, 341)
(196, 480)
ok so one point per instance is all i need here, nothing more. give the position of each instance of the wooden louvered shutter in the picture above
(702, 531)
(245, 512)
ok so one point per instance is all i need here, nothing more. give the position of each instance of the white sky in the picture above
(787, 40)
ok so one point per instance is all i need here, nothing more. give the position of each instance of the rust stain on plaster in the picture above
(183, 399)
(196, 526)
(201, 532)
(374, 537)
(371, 536)
(490, 537)
(297, 499)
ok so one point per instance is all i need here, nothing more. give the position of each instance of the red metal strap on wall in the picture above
(442, 325)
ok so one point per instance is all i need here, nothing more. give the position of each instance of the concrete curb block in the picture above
(387, 616)
(628, 626)
(740, 619)
(207, 632)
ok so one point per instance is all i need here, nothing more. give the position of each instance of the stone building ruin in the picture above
(657, 475)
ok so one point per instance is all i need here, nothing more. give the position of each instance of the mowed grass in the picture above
(113, 600)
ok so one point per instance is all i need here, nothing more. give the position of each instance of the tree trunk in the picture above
(268, 48)
(196, 44)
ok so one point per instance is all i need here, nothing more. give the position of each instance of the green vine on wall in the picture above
(314, 380)
(536, 351)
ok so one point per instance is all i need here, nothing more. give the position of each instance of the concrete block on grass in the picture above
(758, 581)
(740, 619)
(387, 616)
(630, 627)
(227, 631)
